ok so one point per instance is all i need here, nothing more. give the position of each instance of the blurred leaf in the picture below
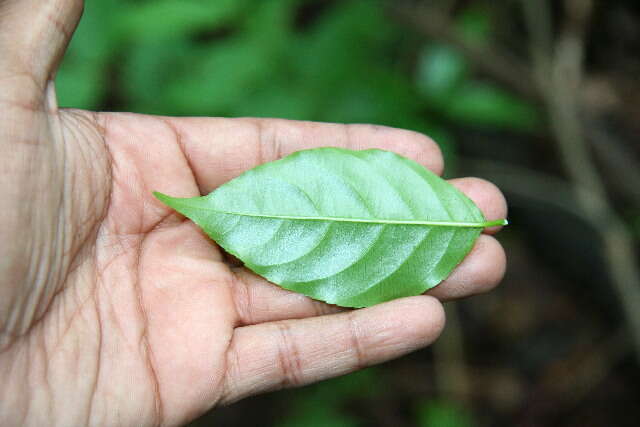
(149, 69)
(365, 383)
(279, 99)
(341, 49)
(322, 404)
(270, 22)
(317, 414)
(176, 76)
(636, 226)
(487, 105)
(440, 70)
(81, 80)
(377, 96)
(80, 85)
(474, 25)
(221, 78)
(443, 413)
(171, 18)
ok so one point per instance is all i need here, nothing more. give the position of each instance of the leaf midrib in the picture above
(483, 224)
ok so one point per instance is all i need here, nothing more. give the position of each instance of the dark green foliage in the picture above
(442, 413)
(324, 404)
(242, 58)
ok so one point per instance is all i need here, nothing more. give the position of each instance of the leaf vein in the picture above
(361, 220)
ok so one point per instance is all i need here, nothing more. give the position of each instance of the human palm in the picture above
(115, 310)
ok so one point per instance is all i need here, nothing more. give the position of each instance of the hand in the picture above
(115, 310)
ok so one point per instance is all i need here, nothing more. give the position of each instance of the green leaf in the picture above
(487, 105)
(171, 18)
(149, 70)
(443, 413)
(329, 403)
(82, 80)
(474, 25)
(353, 228)
(440, 70)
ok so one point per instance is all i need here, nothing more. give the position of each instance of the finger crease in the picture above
(242, 300)
(356, 342)
(289, 358)
(181, 145)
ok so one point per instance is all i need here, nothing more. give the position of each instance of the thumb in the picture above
(34, 35)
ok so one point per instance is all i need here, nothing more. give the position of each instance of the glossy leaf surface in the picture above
(353, 228)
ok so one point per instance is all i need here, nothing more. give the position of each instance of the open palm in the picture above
(115, 310)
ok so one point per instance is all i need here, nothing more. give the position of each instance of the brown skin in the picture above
(114, 310)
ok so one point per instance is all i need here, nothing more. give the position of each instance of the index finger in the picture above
(218, 150)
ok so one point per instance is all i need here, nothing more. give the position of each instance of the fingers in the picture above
(297, 352)
(35, 34)
(221, 149)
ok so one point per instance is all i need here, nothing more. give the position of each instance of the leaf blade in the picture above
(352, 228)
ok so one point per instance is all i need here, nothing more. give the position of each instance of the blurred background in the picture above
(540, 96)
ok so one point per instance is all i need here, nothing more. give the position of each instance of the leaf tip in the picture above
(496, 223)
(163, 198)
